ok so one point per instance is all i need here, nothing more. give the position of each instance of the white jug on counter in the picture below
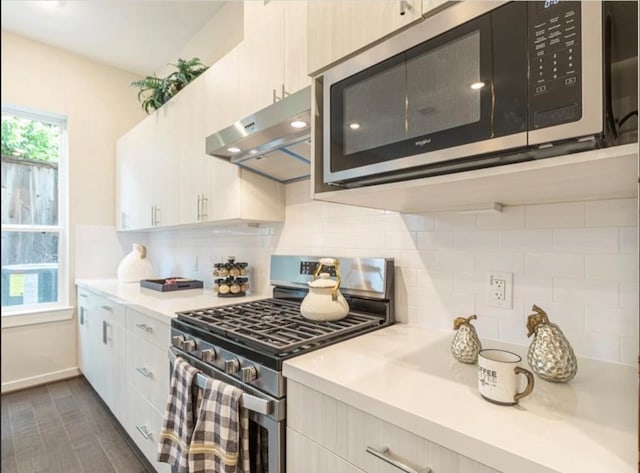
(135, 266)
(324, 300)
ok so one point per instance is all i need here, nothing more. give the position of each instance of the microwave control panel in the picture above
(555, 85)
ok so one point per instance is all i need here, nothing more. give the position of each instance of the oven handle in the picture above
(249, 402)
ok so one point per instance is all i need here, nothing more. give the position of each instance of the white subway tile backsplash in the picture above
(578, 261)
(435, 240)
(564, 215)
(586, 240)
(588, 292)
(629, 295)
(599, 346)
(512, 262)
(510, 218)
(629, 350)
(455, 261)
(451, 221)
(400, 240)
(529, 240)
(629, 240)
(611, 321)
(621, 267)
(481, 240)
(552, 264)
(610, 213)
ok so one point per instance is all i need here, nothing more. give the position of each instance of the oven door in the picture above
(454, 86)
(266, 419)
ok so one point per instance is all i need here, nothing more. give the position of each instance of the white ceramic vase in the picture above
(135, 266)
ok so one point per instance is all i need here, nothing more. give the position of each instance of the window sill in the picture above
(36, 316)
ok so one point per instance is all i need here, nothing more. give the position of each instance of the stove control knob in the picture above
(177, 341)
(249, 373)
(231, 366)
(189, 345)
(208, 355)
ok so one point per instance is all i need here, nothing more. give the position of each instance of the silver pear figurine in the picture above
(550, 354)
(465, 345)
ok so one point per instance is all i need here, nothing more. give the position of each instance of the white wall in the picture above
(100, 106)
(578, 261)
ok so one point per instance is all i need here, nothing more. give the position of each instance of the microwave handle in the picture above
(609, 119)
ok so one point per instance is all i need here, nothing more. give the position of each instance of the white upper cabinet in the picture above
(337, 29)
(272, 56)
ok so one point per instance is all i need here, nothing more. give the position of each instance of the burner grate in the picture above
(274, 325)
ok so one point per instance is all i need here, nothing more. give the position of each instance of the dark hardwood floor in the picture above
(64, 427)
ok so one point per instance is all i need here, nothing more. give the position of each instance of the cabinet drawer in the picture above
(305, 456)
(144, 426)
(148, 371)
(111, 311)
(347, 431)
(148, 329)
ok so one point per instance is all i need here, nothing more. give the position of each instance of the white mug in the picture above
(498, 372)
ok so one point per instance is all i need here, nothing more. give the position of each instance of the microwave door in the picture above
(565, 89)
(460, 94)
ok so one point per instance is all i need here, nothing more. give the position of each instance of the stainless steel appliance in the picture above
(273, 142)
(482, 84)
(245, 344)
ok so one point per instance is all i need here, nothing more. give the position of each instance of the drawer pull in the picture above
(382, 454)
(84, 296)
(144, 432)
(145, 327)
(145, 372)
(107, 308)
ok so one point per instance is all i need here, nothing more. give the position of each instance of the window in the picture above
(34, 256)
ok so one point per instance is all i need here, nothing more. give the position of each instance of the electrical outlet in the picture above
(500, 290)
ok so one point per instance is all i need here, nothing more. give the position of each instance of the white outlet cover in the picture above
(500, 283)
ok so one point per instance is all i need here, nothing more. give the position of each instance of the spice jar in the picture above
(234, 287)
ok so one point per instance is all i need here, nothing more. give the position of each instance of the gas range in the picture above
(250, 340)
(245, 344)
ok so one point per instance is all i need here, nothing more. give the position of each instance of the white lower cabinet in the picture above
(101, 343)
(123, 354)
(147, 377)
(323, 429)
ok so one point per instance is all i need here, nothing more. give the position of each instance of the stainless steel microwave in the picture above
(482, 84)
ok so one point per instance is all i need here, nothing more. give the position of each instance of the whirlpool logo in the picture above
(423, 142)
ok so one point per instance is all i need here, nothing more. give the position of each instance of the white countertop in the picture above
(407, 376)
(160, 304)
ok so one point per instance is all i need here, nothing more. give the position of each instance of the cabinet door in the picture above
(86, 352)
(133, 193)
(260, 56)
(295, 46)
(337, 29)
(109, 346)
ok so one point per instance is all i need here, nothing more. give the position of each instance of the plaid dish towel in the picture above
(178, 423)
(220, 442)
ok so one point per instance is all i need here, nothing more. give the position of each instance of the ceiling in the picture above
(140, 36)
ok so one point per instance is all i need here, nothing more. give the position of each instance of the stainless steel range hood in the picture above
(267, 143)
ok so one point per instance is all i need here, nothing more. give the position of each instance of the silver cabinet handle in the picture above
(156, 219)
(107, 308)
(145, 327)
(204, 201)
(404, 6)
(382, 454)
(145, 372)
(83, 318)
(144, 432)
(198, 209)
(84, 296)
(104, 332)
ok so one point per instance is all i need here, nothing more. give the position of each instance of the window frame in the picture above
(62, 228)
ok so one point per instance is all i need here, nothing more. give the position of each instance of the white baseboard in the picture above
(38, 380)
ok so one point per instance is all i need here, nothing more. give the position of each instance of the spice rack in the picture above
(231, 279)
